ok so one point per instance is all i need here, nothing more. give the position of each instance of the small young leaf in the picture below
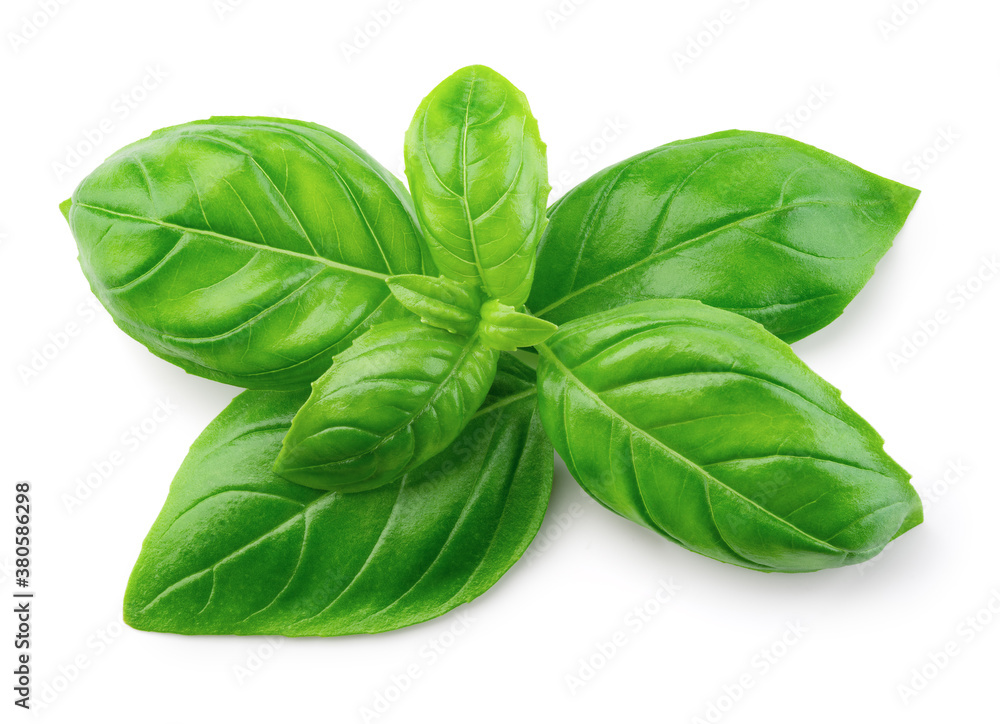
(505, 329)
(438, 301)
(702, 426)
(761, 225)
(239, 550)
(477, 169)
(400, 395)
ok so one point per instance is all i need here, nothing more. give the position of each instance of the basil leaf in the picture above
(700, 425)
(438, 301)
(400, 395)
(477, 169)
(245, 250)
(761, 225)
(506, 329)
(238, 550)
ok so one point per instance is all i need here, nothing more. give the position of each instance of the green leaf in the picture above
(700, 425)
(245, 250)
(761, 225)
(438, 301)
(238, 550)
(476, 166)
(400, 395)
(506, 329)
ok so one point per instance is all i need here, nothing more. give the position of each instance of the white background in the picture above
(884, 89)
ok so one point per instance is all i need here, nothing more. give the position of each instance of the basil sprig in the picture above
(274, 254)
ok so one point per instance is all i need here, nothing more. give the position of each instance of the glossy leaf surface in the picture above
(477, 170)
(439, 301)
(245, 250)
(238, 550)
(401, 394)
(761, 225)
(700, 425)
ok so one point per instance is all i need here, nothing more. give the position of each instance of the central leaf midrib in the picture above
(324, 498)
(385, 437)
(235, 240)
(550, 355)
(464, 158)
(688, 242)
(282, 526)
(469, 505)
